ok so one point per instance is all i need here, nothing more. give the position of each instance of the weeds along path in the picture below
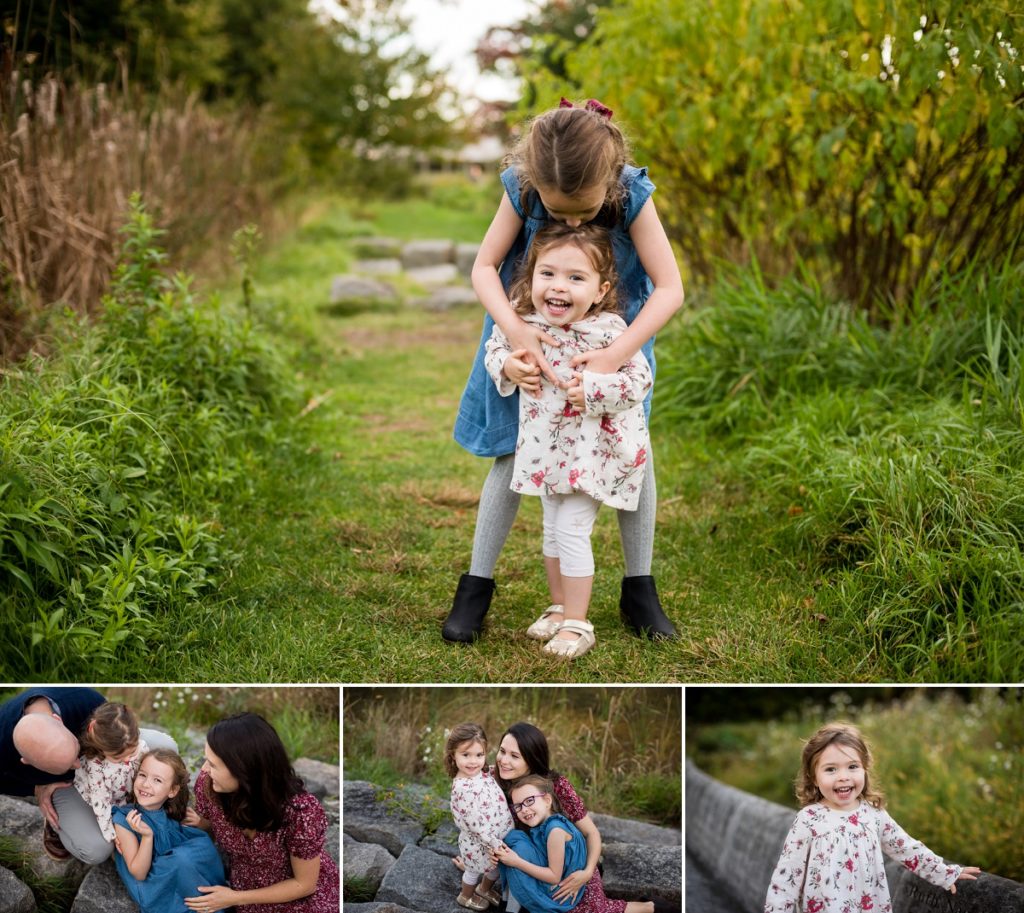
(351, 549)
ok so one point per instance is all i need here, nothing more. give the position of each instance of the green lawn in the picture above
(362, 520)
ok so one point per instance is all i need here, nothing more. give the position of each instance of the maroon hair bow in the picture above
(592, 105)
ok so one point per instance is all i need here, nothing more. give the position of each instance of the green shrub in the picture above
(881, 144)
(110, 458)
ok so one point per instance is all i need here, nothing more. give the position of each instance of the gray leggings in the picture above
(499, 504)
(79, 831)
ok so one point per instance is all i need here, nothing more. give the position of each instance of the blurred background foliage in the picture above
(621, 748)
(950, 761)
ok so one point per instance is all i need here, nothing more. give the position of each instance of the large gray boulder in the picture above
(369, 820)
(367, 862)
(320, 779)
(22, 820)
(625, 830)
(989, 894)
(15, 895)
(103, 892)
(444, 840)
(422, 880)
(632, 871)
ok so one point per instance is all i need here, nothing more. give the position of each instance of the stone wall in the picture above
(733, 841)
(398, 846)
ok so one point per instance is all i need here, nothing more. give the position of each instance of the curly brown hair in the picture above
(176, 805)
(110, 729)
(595, 244)
(571, 150)
(460, 735)
(848, 736)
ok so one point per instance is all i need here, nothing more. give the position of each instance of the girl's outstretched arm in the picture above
(659, 262)
(915, 856)
(497, 242)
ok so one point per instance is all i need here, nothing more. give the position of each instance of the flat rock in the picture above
(438, 274)
(369, 820)
(103, 892)
(385, 266)
(421, 880)
(347, 288)
(377, 247)
(465, 255)
(451, 296)
(369, 862)
(655, 872)
(321, 779)
(624, 830)
(15, 895)
(427, 253)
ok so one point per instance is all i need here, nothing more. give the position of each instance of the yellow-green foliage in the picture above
(880, 139)
(951, 769)
(620, 747)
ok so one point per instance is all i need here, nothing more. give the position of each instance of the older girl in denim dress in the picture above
(570, 167)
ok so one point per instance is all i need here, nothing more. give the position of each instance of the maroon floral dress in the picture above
(832, 862)
(594, 899)
(265, 859)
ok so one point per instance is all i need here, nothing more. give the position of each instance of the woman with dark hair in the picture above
(272, 830)
(523, 750)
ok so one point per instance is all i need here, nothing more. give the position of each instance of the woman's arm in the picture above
(497, 242)
(137, 851)
(659, 262)
(305, 873)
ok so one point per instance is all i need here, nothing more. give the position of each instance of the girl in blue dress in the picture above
(533, 862)
(160, 860)
(571, 166)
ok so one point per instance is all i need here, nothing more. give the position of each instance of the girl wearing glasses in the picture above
(533, 862)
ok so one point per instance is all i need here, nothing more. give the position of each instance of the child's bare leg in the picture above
(577, 592)
(640, 906)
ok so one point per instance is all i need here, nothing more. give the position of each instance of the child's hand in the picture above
(523, 373)
(970, 872)
(137, 824)
(600, 361)
(507, 856)
(529, 338)
(576, 394)
(192, 818)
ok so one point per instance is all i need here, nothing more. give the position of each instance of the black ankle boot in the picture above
(641, 610)
(471, 602)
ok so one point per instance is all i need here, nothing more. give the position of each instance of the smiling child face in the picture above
(839, 774)
(154, 784)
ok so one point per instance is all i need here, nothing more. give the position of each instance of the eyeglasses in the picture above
(527, 802)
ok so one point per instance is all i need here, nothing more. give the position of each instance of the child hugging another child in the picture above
(583, 444)
(111, 750)
(480, 812)
(832, 861)
(160, 860)
(533, 862)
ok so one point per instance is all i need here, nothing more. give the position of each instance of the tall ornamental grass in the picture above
(950, 767)
(70, 157)
(894, 458)
(113, 455)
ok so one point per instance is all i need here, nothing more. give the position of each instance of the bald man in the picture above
(39, 751)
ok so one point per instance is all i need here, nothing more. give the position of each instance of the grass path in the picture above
(352, 547)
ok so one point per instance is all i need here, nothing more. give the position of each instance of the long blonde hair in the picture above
(595, 244)
(571, 150)
(848, 736)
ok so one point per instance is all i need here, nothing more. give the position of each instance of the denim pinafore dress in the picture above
(488, 424)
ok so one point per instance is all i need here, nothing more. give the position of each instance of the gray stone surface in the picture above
(421, 880)
(430, 276)
(465, 254)
(451, 296)
(103, 892)
(15, 895)
(427, 253)
(625, 830)
(653, 872)
(385, 266)
(445, 840)
(989, 894)
(374, 907)
(368, 862)
(321, 779)
(347, 289)
(368, 821)
(377, 247)
(22, 820)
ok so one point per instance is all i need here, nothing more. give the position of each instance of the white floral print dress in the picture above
(601, 450)
(104, 784)
(832, 862)
(481, 814)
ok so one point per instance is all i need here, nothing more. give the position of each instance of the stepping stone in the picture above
(427, 253)
(386, 266)
(438, 274)
(348, 288)
(451, 296)
(465, 255)
(377, 248)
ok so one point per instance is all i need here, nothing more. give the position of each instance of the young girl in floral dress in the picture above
(111, 750)
(832, 861)
(583, 444)
(480, 812)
